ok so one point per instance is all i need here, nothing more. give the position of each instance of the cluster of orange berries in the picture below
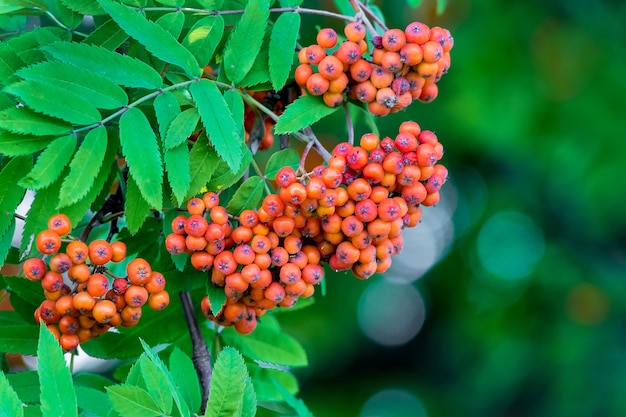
(404, 65)
(350, 214)
(257, 258)
(82, 298)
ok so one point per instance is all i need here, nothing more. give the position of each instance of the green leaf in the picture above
(19, 339)
(131, 401)
(96, 89)
(108, 35)
(218, 122)
(177, 166)
(263, 379)
(86, 7)
(121, 69)
(227, 384)
(10, 193)
(202, 161)
(10, 406)
(12, 144)
(244, 42)
(156, 39)
(166, 108)
(283, 40)
(6, 241)
(141, 150)
(183, 125)
(203, 38)
(413, 3)
(247, 196)
(286, 157)
(66, 16)
(136, 208)
(25, 121)
(224, 177)
(303, 112)
(248, 406)
(146, 374)
(26, 383)
(296, 403)
(50, 163)
(237, 108)
(92, 402)
(259, 73)
(184, 376)
(290, 3)
(58, 397)
(172, 23)
(84, 167)
(217, 297)
(268, 345)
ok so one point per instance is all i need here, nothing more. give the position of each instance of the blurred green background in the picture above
(509, 298)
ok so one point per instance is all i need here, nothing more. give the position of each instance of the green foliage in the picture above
(247, 196)
(303, 112)
(10, 405)
(50, 163)
(283, 39)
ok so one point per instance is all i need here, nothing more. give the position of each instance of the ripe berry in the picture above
(48, 242)
(158, 301)
(119, 251)
(393, 40)
(34, 269)
(327, 38)
(355, 31)
(100, 252)
(138, 271)
(60, 224)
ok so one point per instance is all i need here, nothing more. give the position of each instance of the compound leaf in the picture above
(25, 121)
(10, 404)
(177, 166)
(58, 397)
(97, 90)
(84, 167)
(303, 112)
(218, 122)
(282, 44)
(136, 208)
(121, 69)
(183, 125)
(203, 38)
(10, 194)
(202, 161)
(157, 40)
(227, 384)
(50, 163)
(247, 196)
(141, 150)
(244, 42)
(132, 401)
(12, 144)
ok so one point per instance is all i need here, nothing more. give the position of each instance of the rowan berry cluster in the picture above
(258, 258)
(350, 214)
(83, 299)
(404, 65)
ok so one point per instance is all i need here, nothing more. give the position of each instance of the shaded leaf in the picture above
(217, 297)
(263, 379)
(303, 112)
(172, 23)
(218, 122)
(224, 177)
(10, 406)
(136, 208)
(247, 196)
(166, 108)
(58, 397)
(92, 402)
(50, 163)
(10, 193)
(84, 167)
(183, 125)
(149, 376)
(244, 42)
(285, 157)
(6, 241)
(87, 7)
(121, 69)
(203, 38)
(236, 105)
(26, 383)
(99, 91)
(19, 339)
(141, 150)
(282, 48)
(227, 384)
(157, 40)
(108, 35)
(267, 345)
(297, 404)
(132, 401)
(177, 166)
(184, 374)
(25, 121)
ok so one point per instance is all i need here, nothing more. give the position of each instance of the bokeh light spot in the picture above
(509, 245)
(393, 403)
(391, 314)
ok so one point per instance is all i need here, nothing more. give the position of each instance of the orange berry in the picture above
(317, 85)
(48, 242)
(34, 269)
(60, 224)
(103, 311)
(330, 67)
(138, 271)
(348, 52)
(393, 40)
(118, 249)
(364, 91)
(314, 54)
(302, 74)
(100, 252)
(417, 32)
(355, 31)
(327, 38)
(432, 51)
(159, 300)
(77, 251)
(136, 296)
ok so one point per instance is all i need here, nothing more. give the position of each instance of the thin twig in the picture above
(373, 16)
(349, 123)
(200, 355)
(302, 10)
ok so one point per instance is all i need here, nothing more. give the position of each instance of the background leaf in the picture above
(19, 339)
(224, 177)
(282, 48)
(247, 196)
(285, 157)
(303, 112)
(183, 374)
(121, 69)
(94, 88)
(84, 167)
(218, 122)
(141, 150)
(6, 241)
(10, 406)
(108, 35)
(92, 402)
(50, 163)
(244, 42)
(203, 162)
(58, 398)
(227, 384)
(13, 144)
(10, 193)
(132, 401)
(166, 108)
(157, 40)
(25, 121)
(136, 208)
(183, 125)
(203, 38)
(177, 166)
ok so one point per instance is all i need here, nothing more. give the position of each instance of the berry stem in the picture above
(372, 15)
(201, 356)
(360, 16)
(301, 10)
(258, 171)
(349, 123)
(305, 152)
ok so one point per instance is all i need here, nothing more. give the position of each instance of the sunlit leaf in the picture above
(184, 376)
(157, 40)
(6, 240)
(227, 384)
(244, 42)
(25, 121)
(203, 38)
(132, 401)
(15, 144)
(10, 406)
(183, 125)
(282, 47)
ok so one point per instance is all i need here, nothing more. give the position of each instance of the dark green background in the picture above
(525, 312)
